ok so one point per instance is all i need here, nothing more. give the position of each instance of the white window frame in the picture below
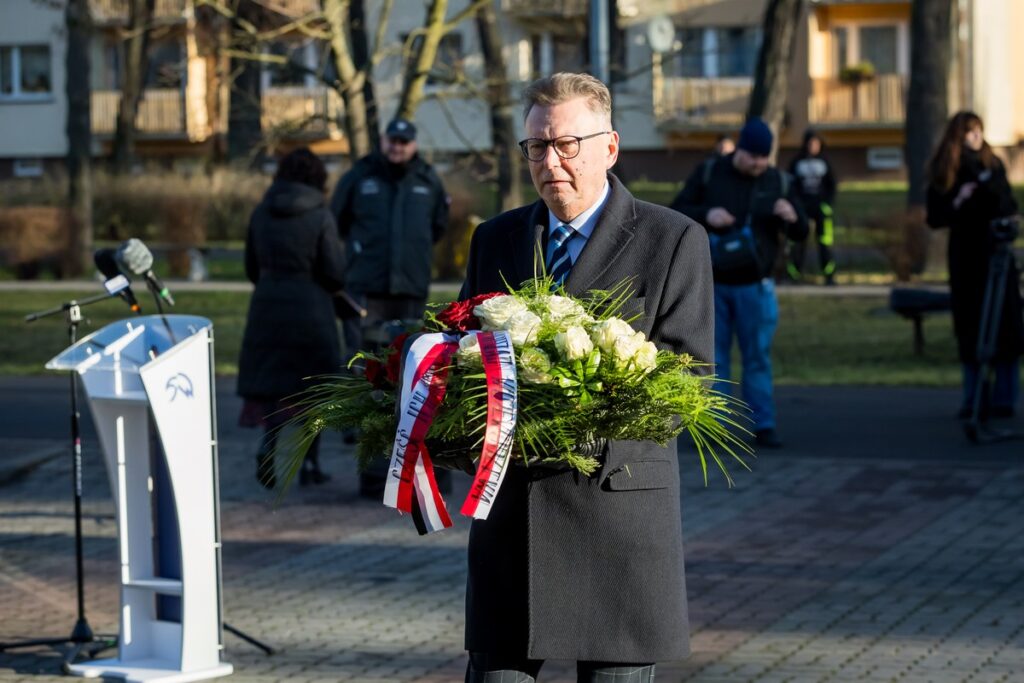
(853, 55)
(16, 95)
(28, 168)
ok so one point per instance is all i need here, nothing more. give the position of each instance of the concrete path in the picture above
(878, 545)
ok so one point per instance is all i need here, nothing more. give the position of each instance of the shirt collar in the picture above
(584, 223)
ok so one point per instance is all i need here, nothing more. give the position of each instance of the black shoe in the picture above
(265, 474)
(830, 281)
(767, 438)
(1001, 412)
(964, 413)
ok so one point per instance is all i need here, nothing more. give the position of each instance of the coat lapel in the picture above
(526, 240)
(614, 230)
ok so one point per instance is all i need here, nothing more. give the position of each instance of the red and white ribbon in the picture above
(502, 405)
(411, 472)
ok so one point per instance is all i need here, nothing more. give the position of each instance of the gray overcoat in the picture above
(570, 567)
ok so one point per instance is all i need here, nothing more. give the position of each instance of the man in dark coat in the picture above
(566, 566)
(391, 208)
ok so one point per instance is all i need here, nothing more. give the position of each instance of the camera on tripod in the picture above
(1004, 229)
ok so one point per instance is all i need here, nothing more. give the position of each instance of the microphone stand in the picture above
(82, 637)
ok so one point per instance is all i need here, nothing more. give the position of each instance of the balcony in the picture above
(879, 102)
(116, 11)
(701, 102)
(313, 111)
(551, 9)
(161, 113)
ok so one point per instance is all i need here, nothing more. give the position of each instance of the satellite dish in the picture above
(661, 33)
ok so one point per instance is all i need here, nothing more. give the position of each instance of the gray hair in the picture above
(564, 86)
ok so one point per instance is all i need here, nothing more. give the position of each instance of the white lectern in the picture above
(137, 372)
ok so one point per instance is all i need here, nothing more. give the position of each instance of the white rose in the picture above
(626, 347)
(469, 350)
(534, 365)
(647, 357)
(561, 308)
(496, 311)
(606, 332)
(523, 327)
(574, 343)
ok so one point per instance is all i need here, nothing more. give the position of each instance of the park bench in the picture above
(914, 302)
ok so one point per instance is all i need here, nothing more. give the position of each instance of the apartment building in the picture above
(848, 80)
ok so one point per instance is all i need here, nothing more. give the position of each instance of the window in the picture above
(28, 168)
(166, 65)
(718, 52)
(553, 53)
(25, 71)
(878, 46)
(840, 49)
(294, 72)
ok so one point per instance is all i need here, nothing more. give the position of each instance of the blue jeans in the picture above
(751, 312)
(1004, 392)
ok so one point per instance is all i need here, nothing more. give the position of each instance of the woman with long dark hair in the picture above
(294, 256)
(967, 190)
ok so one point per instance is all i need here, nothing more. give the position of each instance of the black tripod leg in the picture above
(988, 332)
(249, 639)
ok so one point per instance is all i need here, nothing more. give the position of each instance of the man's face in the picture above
(749, 164)
(814, 147)
(398, 150)
(570, 186)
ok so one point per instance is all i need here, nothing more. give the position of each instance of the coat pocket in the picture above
(641, 475)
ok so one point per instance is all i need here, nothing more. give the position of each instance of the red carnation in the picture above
(374, 373)
(459, 314)
(394, 365)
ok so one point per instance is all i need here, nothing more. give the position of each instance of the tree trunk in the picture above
(931, 49)
(771, 79)
(361, 61)
(350, 81)
(245, 133)
(502, 122)
(423, 60)
(136, 62)
(79, 131)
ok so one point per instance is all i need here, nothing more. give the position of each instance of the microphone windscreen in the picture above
(106, 263)
(135, 256)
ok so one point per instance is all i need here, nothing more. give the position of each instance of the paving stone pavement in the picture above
(813, 568)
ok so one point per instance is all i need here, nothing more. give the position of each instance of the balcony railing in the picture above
(115, 11)
(310, 111)
(161, 112)
(702, 102)
(879, 101)
(546, 8)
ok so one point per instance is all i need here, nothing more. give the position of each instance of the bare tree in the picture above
(133, 79)
(362, 60)
(771, 78)
(931, 51)
(501, 107)
(428, 39)
(245, 107)
(78, 26)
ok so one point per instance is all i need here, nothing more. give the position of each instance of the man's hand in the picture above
(720, 218)
(966, 190)
(784, 210)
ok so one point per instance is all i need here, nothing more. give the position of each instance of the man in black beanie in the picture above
(746, 204)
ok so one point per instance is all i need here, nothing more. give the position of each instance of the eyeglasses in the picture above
(566, 146)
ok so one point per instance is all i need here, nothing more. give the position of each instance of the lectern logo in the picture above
(179, 384)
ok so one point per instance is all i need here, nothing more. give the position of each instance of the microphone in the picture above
(136, 258)
(106, 263)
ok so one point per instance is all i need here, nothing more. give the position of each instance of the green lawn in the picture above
(821, 341)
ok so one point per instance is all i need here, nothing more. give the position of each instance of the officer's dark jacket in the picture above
(742, 196)
(390, 218)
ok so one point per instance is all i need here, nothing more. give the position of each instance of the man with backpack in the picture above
(746, 205)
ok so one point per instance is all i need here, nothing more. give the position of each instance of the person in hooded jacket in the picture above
(967, 190)
(296, 260)
(816, 187)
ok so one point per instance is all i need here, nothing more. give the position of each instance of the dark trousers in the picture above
(825, 238)
(484, 668)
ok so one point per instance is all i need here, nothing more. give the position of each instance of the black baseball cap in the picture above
(402, 129)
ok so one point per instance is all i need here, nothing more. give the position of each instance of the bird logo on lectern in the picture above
(179, 384)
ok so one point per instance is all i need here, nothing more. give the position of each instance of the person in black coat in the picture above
(568, 566)
(816, 187)
(967, 189)
(296, 260)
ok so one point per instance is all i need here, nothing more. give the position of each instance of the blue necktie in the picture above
(558, 262)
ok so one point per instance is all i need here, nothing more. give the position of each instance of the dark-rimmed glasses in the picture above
(566, 146)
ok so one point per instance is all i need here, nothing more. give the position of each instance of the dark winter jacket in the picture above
(591, 568)
(742, 196)
(295, 259)
(970, 249)
(390, 217)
